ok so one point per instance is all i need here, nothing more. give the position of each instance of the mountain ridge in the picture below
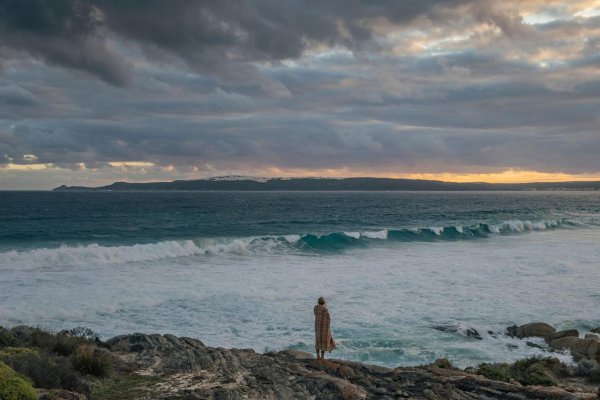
(329, 184)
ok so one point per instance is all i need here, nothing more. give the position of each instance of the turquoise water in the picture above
(30, 219)
(242, 269)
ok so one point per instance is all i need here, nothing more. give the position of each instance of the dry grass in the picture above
(90, 360)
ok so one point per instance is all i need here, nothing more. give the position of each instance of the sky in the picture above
(97, 91)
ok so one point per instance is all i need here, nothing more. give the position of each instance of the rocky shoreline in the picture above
(140, 366)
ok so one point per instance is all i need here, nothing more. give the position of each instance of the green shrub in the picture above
(56, 344)
(589, 369)
(81, 332)
(46, 370)
(88, 359)
(536, 374)
(538, 371)
(495, 371)
(6, 339)
(529, 371)
(13, 386)
(15, 352)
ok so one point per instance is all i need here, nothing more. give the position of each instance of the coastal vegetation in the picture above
(14, 386)
(530, 371)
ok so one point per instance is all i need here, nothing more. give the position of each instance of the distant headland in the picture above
(329, 184)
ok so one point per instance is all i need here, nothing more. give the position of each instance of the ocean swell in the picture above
(330, 242)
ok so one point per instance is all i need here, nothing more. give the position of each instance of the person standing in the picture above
(323, 338)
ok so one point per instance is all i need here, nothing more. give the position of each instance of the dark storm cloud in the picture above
(213, 31)
(12, 95)
(220, 37)
(62, 32)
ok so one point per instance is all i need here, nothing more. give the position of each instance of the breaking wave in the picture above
(99, 254)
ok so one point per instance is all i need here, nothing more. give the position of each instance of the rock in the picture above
(564, 343)
(587, 348)
(345, 372)
(165, 367)
(534, 329)
(298, 355)
(592, 336)
(442, 363)
(595, 330)
(61, 394)
(468, 332)
(351, 392)
(535, 345)
(561, 334)
(472, 333)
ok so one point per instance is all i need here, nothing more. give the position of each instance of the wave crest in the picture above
(98, 254)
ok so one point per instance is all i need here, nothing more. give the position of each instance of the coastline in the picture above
(141, 366)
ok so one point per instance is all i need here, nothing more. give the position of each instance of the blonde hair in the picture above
(321, 300)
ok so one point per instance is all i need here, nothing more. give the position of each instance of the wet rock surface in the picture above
(465, 331)
(183, 368)
(140, 366)
(533, 329)
(587, 347)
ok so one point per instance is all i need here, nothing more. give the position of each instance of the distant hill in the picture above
(345, 184)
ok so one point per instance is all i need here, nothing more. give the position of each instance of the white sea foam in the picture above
(382, 235)
(99, 254)
(96, 254)
(438, 230)
(292, 238)
(523, 226)
(383, 299)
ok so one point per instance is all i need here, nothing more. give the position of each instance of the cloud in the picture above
(12, 95)
(224, 38)
(204, 88)
(62, 32)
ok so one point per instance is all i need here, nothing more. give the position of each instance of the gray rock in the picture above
(534, 329)
(184, 368)
(588, 348)
(61, 394)
(428, 393)
(565, 333)
(535, 345)
(468, 332)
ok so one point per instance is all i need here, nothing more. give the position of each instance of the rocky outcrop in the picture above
(140, 366)
(462, 330)
(562, 334)
(184, 368)
(533, 329)
(587, 347)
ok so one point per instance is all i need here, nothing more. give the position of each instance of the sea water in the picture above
(244, 269)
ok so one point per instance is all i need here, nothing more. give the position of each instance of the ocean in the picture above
(244, 269)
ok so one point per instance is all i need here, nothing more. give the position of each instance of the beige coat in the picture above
(324, 341)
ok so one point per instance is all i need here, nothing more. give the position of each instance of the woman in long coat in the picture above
(323, 339)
